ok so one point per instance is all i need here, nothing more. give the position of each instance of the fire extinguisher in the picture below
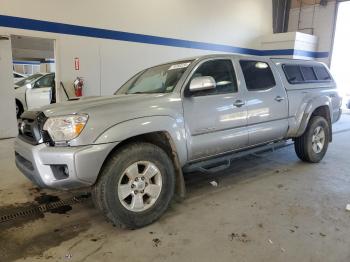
(78, 86)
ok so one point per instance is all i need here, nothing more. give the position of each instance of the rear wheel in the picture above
(136, 185)
(313, 144)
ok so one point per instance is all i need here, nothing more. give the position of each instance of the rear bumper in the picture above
(38, 163)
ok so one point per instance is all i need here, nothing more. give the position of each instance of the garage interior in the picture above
(266, 206)
(32, 54)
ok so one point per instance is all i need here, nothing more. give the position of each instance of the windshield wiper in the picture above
(143, 93)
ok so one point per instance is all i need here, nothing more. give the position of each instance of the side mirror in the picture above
(202, 83)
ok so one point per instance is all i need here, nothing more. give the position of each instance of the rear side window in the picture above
(322, 73)
(293, 73)
(308, 73)
(300, 74)
(257, 75)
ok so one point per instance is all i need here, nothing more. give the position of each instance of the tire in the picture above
(19, 109)
(307, 149)
(118, 172)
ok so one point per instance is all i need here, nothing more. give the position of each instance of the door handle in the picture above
(238, 103)
(279, 98)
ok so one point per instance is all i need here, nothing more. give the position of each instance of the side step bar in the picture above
(221, 163)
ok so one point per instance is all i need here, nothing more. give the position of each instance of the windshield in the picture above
(158, 79)
(28, 79)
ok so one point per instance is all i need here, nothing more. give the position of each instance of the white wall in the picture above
(291, 40)
(320, 19)
(106, 64)
(201, 20)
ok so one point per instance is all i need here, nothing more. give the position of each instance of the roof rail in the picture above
(292, 59)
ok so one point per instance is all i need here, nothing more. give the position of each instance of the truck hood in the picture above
(106, 112)
(94, 104)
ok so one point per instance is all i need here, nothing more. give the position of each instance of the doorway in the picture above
(34, 70)
(341, 54)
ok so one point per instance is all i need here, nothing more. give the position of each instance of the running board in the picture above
(221, 163)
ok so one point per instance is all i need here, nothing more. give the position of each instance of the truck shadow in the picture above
(244, 169)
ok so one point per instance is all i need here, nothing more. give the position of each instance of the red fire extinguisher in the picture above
(78, 86)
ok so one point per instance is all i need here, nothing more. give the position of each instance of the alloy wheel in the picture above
(139, 186)
(318, 139)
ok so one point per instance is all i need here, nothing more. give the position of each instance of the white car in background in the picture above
(18, 76)
(35, 91)
(28, 80)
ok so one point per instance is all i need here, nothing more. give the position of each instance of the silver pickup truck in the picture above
(132, 148)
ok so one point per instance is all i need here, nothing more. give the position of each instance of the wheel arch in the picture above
(20, 104)
(163, 140)
(316, 108)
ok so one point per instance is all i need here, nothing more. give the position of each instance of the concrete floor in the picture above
(270, 207)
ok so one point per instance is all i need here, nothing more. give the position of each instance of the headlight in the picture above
(65, 128)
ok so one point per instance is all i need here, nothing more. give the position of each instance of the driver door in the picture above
(216, 119)
(41, 92)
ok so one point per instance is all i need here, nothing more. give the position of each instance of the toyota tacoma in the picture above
(132, 148)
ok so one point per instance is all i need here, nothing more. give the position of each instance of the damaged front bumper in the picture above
(61, 167)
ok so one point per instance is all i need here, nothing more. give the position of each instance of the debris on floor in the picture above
(61, 210)
(214, 183)
(347, 208)
(156, 242)
(240, 237)
(270, 241)
(46, 199)
(68, 256)
(253, 204)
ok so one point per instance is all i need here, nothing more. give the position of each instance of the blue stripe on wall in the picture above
(60, 28)
(26, 63)
(16, 62)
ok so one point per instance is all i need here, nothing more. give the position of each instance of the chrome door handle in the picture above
(238, 103)
(279, 98)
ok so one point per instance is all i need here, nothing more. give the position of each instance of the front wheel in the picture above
(312, 145)
(136, 185)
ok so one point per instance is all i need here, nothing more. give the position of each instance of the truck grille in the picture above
(30, 128)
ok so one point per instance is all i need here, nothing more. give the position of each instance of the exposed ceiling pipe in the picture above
(323, 2)
(281, 10)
